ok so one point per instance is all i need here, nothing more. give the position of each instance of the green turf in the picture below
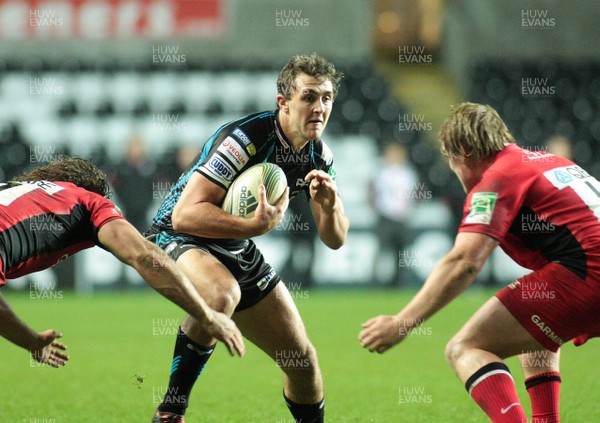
(121, 345)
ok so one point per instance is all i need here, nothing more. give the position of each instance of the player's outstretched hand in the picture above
(225, 330)
(268, 216)
(49, 350)
(381, 333)
(322, 188)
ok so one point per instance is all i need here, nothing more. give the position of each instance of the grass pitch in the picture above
(121, 346)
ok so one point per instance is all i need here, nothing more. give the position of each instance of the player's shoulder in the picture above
(250, 131)
(63, 194)
(511, 155)
(245, 126)
(523, 163)
(86, 197)
(511, 162)
(101, 209)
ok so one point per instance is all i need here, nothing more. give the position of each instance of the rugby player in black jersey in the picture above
(70, 196)
(214, 249)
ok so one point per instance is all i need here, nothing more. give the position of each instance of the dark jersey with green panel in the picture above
(242, 143)
(235, 147)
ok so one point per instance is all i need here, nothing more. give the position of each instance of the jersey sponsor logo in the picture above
(582, 183)
(562, 177)
(241, 135)
(482, 208)
(546, 330)
(233, 151)
(220, 170)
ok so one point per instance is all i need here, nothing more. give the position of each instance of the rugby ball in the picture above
(242, 196)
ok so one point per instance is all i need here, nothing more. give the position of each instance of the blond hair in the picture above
(473, 131)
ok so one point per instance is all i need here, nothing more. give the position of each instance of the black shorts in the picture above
(246, 263)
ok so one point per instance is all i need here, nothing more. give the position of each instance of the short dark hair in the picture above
(312, 65)
(76, 170)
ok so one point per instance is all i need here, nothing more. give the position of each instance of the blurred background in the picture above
(138, 86)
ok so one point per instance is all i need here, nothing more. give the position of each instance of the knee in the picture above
(455, 350)
(311, 354)
(224, 301)
(227, 300)
(299, 362)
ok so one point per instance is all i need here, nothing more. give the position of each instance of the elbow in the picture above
(177, 220)
(143, 257)
(145, 261)
(335, 243)
(336, 239)
(338, 243)
(468, 266)
(138, 260)
(470, 270)
(177, 225)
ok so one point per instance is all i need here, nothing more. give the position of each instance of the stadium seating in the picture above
(542, 99)
(95, 109)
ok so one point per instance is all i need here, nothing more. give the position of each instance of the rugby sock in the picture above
(189, 359)
(493, 389)
(306, 413)
(544, 393)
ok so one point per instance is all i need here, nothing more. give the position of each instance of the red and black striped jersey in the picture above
(540, 207)
(42, 223)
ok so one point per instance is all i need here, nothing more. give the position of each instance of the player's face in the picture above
(307, 111)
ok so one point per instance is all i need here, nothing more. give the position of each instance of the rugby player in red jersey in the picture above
(544, 212)
(72, 194)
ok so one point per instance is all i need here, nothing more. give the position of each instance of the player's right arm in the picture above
(454, 273)
(152, 263)
(198, 212)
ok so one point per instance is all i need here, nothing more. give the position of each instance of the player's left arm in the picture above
(327, 209)
(454, 273)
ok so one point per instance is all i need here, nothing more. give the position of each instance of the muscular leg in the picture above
(215, 284)
(542, 380)
(476, 352)
(490, 335)
(275, 326)
(193, 347)
(534, 363)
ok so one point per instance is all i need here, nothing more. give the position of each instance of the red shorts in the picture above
(555, 306)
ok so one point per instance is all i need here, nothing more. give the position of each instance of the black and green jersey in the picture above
(242, 143)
